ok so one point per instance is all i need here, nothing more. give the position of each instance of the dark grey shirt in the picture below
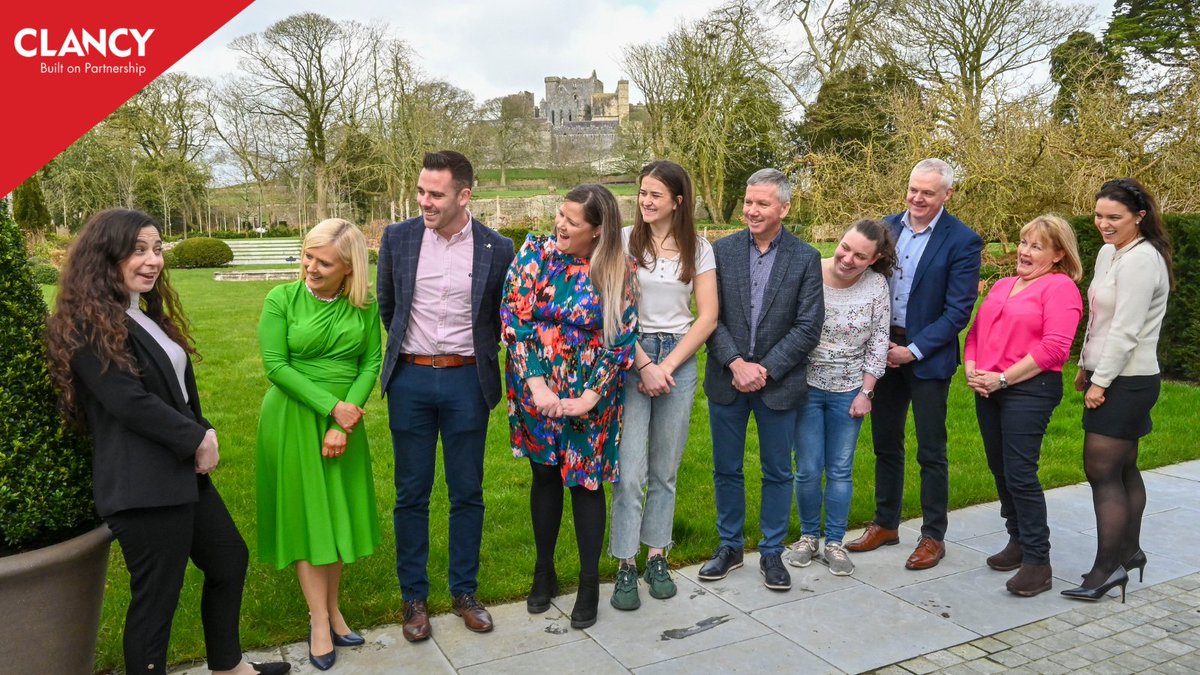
(760, 273)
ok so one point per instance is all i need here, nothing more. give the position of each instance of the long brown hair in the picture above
(92, 298)
(683, 220)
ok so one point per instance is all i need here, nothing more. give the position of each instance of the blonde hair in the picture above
(1059, 234)
(351, 245)
(609, 269)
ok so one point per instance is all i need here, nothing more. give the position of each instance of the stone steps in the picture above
(264, 251)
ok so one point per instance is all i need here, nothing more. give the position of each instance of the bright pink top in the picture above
(440, 322)
(1039, 321)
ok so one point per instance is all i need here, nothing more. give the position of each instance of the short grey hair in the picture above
(938, 166)
(783, 186)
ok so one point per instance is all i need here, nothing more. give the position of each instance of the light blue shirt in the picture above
(909, 249)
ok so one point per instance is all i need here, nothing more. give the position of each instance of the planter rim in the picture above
(20, 563)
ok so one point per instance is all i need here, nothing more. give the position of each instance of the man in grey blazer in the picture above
(441, 276)
(771, 310)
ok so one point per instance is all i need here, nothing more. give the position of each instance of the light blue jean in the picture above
(653, 435)
(826, 436)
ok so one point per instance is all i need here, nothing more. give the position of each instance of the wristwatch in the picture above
(1003, 381)
(869, 393)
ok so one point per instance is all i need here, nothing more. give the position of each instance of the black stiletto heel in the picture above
(1137, 561)
(1117, 578)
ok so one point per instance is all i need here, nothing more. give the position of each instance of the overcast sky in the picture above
(491, 48)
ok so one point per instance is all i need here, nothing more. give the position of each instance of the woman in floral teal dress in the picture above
(570, 322)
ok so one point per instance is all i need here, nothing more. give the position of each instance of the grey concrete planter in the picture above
(52, 599)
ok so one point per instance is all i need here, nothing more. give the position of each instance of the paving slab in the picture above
(1189, 470)
(967, 523)
(516, 632)
(1070, 508)
(978, 601)
(660, 630)
(861, 628)
(766, 654)
(1164, 491)
(1173, 534)
(582, 657)
(744, 589)
(884, 567)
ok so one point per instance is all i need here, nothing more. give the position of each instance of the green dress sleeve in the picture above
(273, 345)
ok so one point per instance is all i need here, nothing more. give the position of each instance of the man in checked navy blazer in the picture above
(933, 289)
(441, 276)
(770, 310)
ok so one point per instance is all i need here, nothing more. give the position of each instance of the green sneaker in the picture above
(625, 592)
(658, 578)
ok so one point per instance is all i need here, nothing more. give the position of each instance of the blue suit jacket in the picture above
(398, 255)
(943, 294)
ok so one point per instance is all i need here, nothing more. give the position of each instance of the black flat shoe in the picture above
(271, 667)
(350, 639)
(1137, 561)
(1117, 578)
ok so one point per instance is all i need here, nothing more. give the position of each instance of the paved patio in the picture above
(956, 617)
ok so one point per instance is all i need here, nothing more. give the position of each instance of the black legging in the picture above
(546, 509)
(1119, 497)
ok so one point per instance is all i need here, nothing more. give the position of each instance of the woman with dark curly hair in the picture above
(120, 352)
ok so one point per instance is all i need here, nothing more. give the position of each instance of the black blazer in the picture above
(398, 255)
(144, 437)
(789, 324)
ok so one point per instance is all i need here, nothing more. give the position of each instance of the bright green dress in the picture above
(320, 510)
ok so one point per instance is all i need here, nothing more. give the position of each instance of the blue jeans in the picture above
(775, 430)
(423, 401)
(826, 436)
(653, 435)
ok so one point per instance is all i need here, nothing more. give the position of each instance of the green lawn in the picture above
(224, 316)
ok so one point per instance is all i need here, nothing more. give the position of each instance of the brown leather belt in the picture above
(439, 360)
(899, 335)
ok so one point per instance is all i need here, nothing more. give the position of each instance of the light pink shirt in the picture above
(440, 322)
(1039, 321)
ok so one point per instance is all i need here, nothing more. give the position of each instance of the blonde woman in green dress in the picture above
(320, 344)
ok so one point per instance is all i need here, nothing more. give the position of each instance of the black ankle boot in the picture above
(545, 587)
(587, 599)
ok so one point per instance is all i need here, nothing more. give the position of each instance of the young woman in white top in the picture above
(674, 265)
(1118, 373)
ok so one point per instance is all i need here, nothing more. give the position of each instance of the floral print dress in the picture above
(552, 323)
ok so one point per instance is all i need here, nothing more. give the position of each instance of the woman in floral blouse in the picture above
(570, 322)
(841, 379)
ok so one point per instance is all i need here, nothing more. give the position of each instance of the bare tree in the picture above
(509, 131)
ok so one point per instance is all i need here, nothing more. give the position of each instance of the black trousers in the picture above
(157, 543)
(893, 393)
(1012, 423)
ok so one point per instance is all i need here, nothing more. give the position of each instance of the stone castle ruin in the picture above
(582, 120)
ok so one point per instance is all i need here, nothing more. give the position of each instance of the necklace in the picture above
(326, 300)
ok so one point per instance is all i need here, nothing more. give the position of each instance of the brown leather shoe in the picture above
(473, 613)
(928, 553)
(1007, 560)
(1031, 580)
(416, 621)
(873, 538)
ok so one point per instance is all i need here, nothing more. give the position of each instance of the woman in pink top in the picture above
(1013, 357)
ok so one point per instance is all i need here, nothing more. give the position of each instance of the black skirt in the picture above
(1126, 409)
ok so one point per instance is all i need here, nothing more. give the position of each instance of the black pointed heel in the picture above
(321, 661)
(1117, 578)
(350, 639)
(1137, 561)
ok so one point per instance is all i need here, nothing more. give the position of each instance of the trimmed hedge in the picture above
(200, 252)
(1179, 343)
(43, 272)
(45, 465)
(517, 234)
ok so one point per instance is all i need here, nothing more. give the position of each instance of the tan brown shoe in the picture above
(473, 613)
(1031, 580)
(928, 553)
(873, 538)
(416, 621)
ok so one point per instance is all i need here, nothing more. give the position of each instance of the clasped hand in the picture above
(748, 377)
(550, 405)
(347, 415)
(983, 382)
(655, 380)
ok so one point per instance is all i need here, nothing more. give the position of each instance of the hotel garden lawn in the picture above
(224, 317)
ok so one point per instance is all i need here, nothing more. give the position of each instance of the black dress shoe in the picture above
(1117, 578)
(1137, 561)
(272, 667)
(350, 639)
(726, 559)
(323, 661)
(775, 574)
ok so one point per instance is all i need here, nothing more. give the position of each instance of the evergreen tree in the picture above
(1166, 32)
(29, 206)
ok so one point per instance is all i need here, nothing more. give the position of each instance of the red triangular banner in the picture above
(67, 64)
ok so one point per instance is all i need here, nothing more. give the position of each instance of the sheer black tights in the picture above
(588, 508)
(1119, 497)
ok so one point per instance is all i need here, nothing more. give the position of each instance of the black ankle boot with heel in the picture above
(545, 587)
(587, 601)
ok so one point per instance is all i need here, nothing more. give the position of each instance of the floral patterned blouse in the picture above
(854, 337)
(552, 319)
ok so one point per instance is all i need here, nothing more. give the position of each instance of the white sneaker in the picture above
(838, 559)
(801, 553)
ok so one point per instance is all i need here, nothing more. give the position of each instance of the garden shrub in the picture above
(517, 234)
(45, 465)
(373, 256)
(1179, 342)
(43, 272)
(200, 252)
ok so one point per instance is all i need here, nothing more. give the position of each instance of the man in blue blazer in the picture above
(770, 310)
(441, 276)
(933, 288)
